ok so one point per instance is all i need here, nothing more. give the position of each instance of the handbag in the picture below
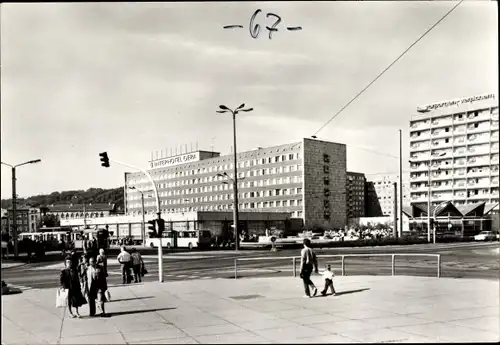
(144, 271)
(61, 298)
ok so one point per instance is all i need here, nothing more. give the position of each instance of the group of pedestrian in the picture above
(85, 279)
(308, 264)
(132, 265)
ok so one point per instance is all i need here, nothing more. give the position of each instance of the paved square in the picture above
(368, 309)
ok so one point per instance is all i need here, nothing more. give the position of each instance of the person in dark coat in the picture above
(95, 286)
(69, 280)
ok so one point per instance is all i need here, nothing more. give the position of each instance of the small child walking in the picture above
(328, 275)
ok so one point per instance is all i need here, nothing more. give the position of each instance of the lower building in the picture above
(383, 189)
(28, 218)
(355, 194)
(218, 223)
(80, 211)
(451, 218)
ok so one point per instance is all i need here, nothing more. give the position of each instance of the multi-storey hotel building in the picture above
(454, 148)
(306, 179)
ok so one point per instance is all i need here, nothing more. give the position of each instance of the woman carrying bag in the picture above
(70, 282)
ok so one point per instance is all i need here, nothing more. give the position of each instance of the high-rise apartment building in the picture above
(454, 150)
(306, 179)
(384, 191)
(355, 194)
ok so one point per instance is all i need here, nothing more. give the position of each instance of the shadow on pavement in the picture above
(351, 291)
(129, 299)
(12, 291)
(130, 312)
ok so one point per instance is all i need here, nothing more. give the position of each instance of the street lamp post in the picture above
(105, 163)
(234, 184)
(223, 110)
(14, 201)
(429, 199)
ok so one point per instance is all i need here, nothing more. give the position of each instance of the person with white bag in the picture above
(70, 289)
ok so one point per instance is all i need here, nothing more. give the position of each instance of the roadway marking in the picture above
(20, 287)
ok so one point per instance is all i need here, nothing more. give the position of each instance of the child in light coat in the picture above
(328, 275)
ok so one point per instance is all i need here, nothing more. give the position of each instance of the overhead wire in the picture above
(388, 67)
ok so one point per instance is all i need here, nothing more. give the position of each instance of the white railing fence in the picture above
(343, 259)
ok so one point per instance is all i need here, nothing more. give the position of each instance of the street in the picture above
(463, 260)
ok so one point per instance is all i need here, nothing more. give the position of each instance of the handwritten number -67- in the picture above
(255, 28)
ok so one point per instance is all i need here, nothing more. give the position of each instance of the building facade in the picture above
(454, 148)
(355, 194)
(218, 223)
(80, 211)
(384, 191)
(306, 179)
(28, 219)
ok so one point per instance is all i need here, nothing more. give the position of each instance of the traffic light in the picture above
(161, 226)
(152, 228)
(104, 159)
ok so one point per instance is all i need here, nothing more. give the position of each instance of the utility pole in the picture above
(14, 212)
(143, 228)
(400, 183)
(395, 206)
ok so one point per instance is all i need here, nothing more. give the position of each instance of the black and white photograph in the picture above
(250, 172)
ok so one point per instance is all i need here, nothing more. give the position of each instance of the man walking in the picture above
(125, 260)
(308, 262)
(95, 286)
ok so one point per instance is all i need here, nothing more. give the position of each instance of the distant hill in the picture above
(92, 195)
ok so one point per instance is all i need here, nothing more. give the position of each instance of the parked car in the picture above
(485, 236)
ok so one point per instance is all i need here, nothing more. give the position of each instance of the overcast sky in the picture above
(129, 79)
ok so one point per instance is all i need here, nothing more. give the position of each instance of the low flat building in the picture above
(80, 211)
(218, 223)
(452, 218)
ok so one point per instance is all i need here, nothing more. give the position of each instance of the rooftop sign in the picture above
(176, 160)
(455, 103)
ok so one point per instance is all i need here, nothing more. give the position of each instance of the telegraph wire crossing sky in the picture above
(132, 78)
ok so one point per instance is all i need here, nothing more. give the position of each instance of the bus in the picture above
(185, 239)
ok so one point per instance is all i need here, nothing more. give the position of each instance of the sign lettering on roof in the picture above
(455, 103)
(176, 160)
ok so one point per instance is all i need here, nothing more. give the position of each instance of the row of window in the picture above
(222, 197)
(223, 186)
(296, 214)
(164, 174)
(473, 115)
(457, 129)
(215, 178)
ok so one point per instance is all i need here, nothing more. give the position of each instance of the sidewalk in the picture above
(267, 310)
(10, 264)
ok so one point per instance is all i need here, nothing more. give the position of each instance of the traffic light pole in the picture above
(158, 212)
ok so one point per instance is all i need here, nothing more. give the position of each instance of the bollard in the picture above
(343, 265)
(235, 268)
(393, 264)
(439, 266)
(294, 267)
